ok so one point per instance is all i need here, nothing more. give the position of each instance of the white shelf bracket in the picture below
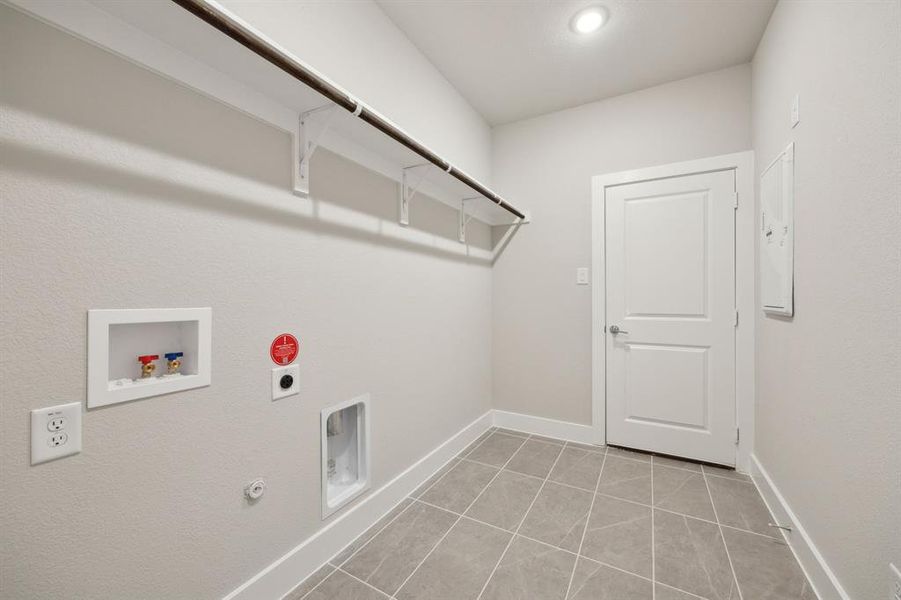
(312, 125)
(464, 219)
(412, 178)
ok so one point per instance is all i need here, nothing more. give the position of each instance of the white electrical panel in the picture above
(777, 229)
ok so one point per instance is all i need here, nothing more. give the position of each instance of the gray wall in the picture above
(122, 189)
(541, 318)
(829, 389)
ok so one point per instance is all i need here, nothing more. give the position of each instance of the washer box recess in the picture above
(116, 338)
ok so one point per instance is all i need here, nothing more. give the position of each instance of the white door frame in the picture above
(745, 287)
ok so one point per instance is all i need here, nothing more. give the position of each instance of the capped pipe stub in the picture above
(255, 489)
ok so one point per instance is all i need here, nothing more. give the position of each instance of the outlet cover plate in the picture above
(55, 432)
(277, 373)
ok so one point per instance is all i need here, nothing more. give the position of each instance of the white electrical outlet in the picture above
(285, 381)
(895, 585)
(55, 432)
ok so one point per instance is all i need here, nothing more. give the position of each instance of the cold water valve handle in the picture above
(173, 363)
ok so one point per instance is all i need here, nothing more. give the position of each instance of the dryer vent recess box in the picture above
(116, 338)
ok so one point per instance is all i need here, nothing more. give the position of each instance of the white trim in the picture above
(745, 280)
(824, 582)
(287, 572)
(563, 430)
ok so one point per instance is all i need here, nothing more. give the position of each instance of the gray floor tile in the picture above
(593, 581)
(627, 479)
(535, 458)
(497, 449)
(578, 467)
(665, 461)
(724, 472)
(475, 444)
(531, 571)
(619, 534)
(513, 432)
(460, 486)
(361, 541)
(589, 447)
(558, 516)
(459, 566)
(663, 592)
(421, 489)
(549, 440)
(625, 453)
(766, 568)
(738, 504)
(309, 583)
(341, 586)
(682, 492)
(690, 556)
(505, 501)
(387, 560)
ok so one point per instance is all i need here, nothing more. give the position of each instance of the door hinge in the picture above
(737, 435)
(736, 318)
(735, 200)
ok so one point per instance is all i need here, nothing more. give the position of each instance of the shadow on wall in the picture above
(86, 92)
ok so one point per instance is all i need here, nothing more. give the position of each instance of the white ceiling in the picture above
(514, 59)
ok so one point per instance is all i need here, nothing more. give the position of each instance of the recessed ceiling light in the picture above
(589, 19)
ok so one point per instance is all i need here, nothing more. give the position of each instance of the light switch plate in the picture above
(293, 371)
(55, 432)
(582, 276)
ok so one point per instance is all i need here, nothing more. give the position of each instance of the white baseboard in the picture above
(821, 577)
(563, 430)
(283, 575)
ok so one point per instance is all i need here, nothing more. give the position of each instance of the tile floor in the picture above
(516, 516)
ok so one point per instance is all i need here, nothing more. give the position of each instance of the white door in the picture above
(670, 326)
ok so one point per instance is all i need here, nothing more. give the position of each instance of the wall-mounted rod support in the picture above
(253, 41)
(313, 124)
(407, 191)
(464, 219)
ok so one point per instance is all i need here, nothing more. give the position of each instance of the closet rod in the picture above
(245, 36)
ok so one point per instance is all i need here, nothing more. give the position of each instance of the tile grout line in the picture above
(594, 496)
(537, 541)
(722, 536)
(338, 567)
(310, 591)
(355, 552)
(369, 585)
(523, 519)
(479, 495)
(458, 457)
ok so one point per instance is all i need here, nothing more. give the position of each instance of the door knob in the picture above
(614, 329)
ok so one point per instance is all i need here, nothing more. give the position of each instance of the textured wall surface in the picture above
(829, 379)
(542, 319)
(121, 189)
